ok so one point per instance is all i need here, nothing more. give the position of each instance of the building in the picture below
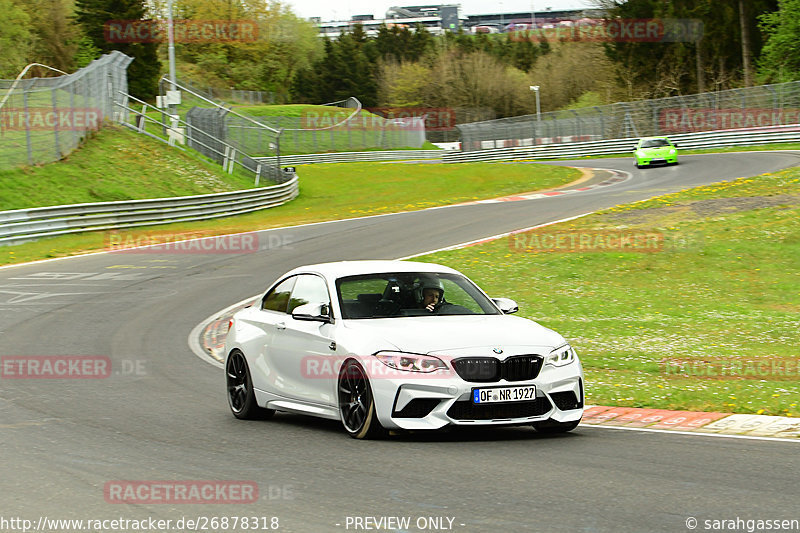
(436, 19)
(448, 17)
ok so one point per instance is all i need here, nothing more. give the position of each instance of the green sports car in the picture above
(655, 150)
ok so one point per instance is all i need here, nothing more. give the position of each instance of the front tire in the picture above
(241, 396)
(550, 427)
(356, 403)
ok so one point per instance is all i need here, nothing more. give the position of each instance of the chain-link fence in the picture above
(208, 126)
(44, 119)
(752, 107)
(341, 126)
(237, 96)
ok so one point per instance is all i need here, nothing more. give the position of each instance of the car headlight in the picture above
(563, 355)
(672, 151)
(411, 362)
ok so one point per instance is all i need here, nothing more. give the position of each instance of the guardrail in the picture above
(353, 157)
(690, 141)
(23, 225)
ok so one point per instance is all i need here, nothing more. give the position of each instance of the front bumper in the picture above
(434, 403)
(660, 160)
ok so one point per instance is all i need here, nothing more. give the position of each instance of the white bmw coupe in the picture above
(397, 345)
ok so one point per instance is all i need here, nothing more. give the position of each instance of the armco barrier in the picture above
(353, 157)
(24, 225)
(691, 141)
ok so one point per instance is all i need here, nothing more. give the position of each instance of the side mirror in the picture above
(506, 305)
(313, 312)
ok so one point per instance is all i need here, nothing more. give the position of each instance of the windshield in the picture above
(655, 143)
(403, 294)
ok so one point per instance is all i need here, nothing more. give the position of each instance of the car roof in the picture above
(351, 268)
(650, 138)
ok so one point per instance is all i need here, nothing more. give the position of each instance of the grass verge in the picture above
(115, 164)
(711, 323)
(341, 190)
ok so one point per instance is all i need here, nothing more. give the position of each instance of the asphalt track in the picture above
(162, 413)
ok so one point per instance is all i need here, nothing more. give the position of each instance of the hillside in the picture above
(115, 164)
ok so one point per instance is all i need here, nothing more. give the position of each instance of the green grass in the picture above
(40, 143)
(115, 164)
(362, 134)
(342, 190)
(365, 132)
(724, 291)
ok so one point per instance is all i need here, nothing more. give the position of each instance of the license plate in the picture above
(504, 394)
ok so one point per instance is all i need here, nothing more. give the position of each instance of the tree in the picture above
(403, 84)
(672, 68)
(780, 57)
(477, 81)
(284, 48)
(15, 39)
(144, 71)
(53, 34)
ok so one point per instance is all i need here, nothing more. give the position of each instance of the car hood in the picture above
(464, 335)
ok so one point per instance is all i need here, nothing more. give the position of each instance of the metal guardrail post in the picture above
(27, 130)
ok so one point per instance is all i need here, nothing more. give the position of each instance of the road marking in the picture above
(83, 276)
(690, 433)
(23, 297)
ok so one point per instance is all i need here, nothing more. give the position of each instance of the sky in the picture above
(344, 9)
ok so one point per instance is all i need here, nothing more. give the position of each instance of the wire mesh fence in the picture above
(210, 127)
(44, 119)
(748, 108)
(342, 126)
(237, 96)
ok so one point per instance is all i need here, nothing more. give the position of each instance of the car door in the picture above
(302, 350)
(270, 313)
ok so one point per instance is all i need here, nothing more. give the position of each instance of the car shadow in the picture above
(450, 434)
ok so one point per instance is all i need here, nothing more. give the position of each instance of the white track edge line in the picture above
(694, 433)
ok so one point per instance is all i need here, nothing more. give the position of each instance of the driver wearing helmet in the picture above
(429, 293)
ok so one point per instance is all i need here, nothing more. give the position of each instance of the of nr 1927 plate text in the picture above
(504, 394)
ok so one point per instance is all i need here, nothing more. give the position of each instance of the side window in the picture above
(278, 298)
(308, 289)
